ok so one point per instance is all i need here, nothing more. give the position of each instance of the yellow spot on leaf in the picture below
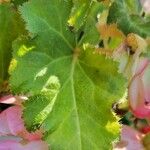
(112, 127)
(24, 50)
(74, 18)
(13, 65)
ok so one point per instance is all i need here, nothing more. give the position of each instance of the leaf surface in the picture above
(75, 85)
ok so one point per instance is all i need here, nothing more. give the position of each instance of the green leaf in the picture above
(11, 26)
(127, 14)
(71, 87)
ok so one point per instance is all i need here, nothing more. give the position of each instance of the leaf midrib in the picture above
(74, 101)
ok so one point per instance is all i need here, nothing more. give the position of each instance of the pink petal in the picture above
(15, 122)
(10, 99)
(12, 123)
(4, 128)
(146, 82)
(15, 145)
(36, 145)
(10, 145)
(139, 90)
(142, 64)
(130, 140)
(142, 112)
(136, 93)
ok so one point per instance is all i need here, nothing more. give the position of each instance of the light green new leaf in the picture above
(73, 89)
(10, 27)
(127, 14)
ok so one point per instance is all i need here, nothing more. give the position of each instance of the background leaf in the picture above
(128, 15)
(79, 13)
(11, 26)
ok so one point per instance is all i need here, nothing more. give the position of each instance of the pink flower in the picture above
(139, 90)
(130, 139)
(11, 123)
